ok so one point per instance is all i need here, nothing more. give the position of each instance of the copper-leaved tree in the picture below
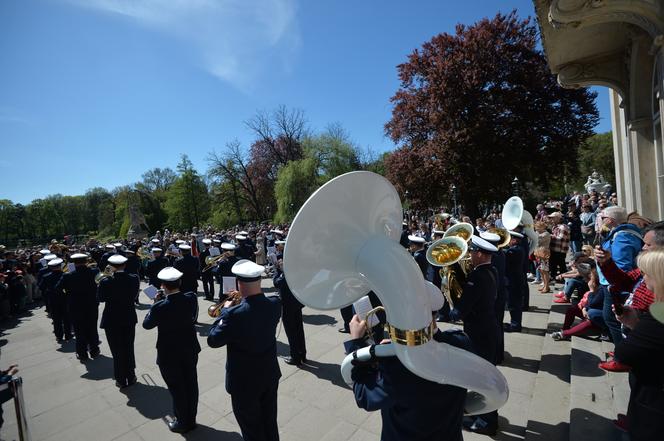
(477, 108)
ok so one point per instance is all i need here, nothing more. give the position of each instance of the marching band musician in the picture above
(291, 313)
(157, 264)
(119, 318)
(110, 250)
(225, 265)
(56, 301)
(476, 309)
(498, 260)
(188, 266)
(206, 277)
(416, 247)
(433, 276)
(81, 294)
(174, 315)
(404, 399)
(252, 371)
(515, 277)
(244, 250)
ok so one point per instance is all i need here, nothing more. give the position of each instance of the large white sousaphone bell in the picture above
(514, 214)
(343, 243)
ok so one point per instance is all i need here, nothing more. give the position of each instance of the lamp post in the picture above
(455, 194)
(406, 204)
(515, 186)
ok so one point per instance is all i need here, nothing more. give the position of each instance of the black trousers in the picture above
(256, 414)
(87, 336)
(557, 264)
(208, 284)
(121, 342)
(292, 319)
(182, 381)
(61, 320)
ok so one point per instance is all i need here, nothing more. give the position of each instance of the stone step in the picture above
(591, 394)
(548, 415)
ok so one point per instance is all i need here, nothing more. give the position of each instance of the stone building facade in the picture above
(618, 44)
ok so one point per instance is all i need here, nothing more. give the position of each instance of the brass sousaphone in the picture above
(343, 243)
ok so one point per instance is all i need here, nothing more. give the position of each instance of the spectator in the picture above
(543, 253)
(559, 244)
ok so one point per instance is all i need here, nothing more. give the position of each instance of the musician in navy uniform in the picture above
(476, 309)
(155, 265)
(174, 314)
(404, 399)
(206, 276)
(57, 301)
(433, 276)
(515, 277)
(252, 370)
(498, 260)
(291, 313)
(225, 265)
(110, 250)
(244, 249)
(188, 266)
(416, 247)
(119, 318)
(40, 281)
(80, 290)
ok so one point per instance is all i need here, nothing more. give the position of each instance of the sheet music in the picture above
(71, 267)
(151, 291)
(362, 307)
(229, 284)
(214, 251)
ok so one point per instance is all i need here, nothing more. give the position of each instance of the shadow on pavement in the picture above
(67, 346)
(203, 329)
(318, 319)
(536, 431)
(325, 371)
(152, 401)
(207, 433)
(556, 364)
(99, 368)
(524, 364)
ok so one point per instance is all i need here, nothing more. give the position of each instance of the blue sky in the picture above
(95, 92)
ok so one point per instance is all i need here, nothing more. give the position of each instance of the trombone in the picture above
(212, 261)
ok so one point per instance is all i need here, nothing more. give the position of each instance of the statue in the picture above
(596, 182)
(138, 227)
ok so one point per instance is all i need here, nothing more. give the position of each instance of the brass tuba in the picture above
(504, 235)
(451, 254)
(108, 272)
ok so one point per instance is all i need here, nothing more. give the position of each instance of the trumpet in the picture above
(234, 297)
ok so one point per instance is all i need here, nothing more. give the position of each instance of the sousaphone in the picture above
(343, 243)
(514, 214)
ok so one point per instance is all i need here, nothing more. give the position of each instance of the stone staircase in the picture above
(571, 397)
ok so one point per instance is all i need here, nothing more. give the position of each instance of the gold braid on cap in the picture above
(412, 337)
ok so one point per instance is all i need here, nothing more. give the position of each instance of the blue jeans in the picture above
(575, 245)
(610, 318)
(574, 284)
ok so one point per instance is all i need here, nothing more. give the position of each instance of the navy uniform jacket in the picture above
(248, 330)
(476, 309)
(420, 257)
(49, 286)
(411, 407)
(81, 291)
(245, 250)
(188, 266)
(154, 266)
(514, 269)
(174, 317)
(201, 258)
(104, 260)
(133, 264)
(223, 269)
(119, 293)
(287, 297)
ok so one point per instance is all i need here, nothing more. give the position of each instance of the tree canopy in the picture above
(477, 108)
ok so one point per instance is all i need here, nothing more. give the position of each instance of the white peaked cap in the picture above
(184, 246)
(227, 246)
(117, 259)
(491, 237)
(169, 274)
(55, 262)
(246, 269)
(416, 239)
(516, 234)
(482, 244)
(50, 257)
(79, 256)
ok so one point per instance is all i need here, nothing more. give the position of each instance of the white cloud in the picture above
(235, 40)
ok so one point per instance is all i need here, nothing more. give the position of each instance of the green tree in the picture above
(295, 183)
(333, 152)
(187, 201)
(596, 153)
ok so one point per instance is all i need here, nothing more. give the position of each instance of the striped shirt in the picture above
(629, 281)
(560, 239)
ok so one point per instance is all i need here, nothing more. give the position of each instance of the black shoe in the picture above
(178, 427)
(211, 299)
(512, 329)
(480, 426)
(68, 337)
(132, 380)
(344, 330)
(59, 340)
(94, 353)
(293, 361)
(120, 384)
(82, 358)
